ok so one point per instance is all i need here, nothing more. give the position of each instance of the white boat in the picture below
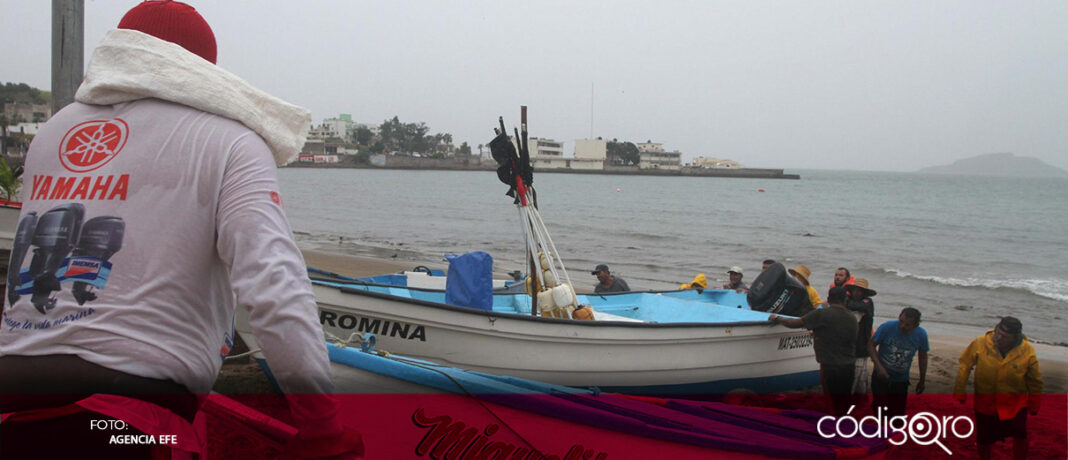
(666, 343)
(678, 343)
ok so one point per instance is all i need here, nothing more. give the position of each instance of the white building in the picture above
(340, 127)
(595, 149)
(24, 128)
(650, 146)
(545, 147)
(707, 162)
(660, 160)
(540, 147)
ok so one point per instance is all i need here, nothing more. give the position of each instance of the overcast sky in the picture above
(794, 84)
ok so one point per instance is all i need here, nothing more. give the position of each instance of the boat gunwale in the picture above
(525, 317)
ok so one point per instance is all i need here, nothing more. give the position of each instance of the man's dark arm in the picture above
(792, 323)
(921, 385)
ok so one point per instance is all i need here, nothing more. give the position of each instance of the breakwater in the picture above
(476, 164)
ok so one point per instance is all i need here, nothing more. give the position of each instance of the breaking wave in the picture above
(1049, 288)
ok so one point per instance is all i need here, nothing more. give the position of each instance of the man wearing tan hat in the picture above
(861, 305)
(802, 273)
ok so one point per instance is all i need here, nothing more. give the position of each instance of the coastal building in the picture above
(327, 147)
(595, 149)
(318, 159)
(27, 112)
(548, 154)
(29, 129)
(717, 163)
(660, 160)
(590, 154)
(541, 147)
(340, 128)
(650, 146)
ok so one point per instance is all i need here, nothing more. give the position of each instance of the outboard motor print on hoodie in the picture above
(101, 238)
(19, 248)
(55, 236)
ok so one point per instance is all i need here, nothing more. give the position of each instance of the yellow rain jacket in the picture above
(814, 296)
(699, 280)
(1003, 386)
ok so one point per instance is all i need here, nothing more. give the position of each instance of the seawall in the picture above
(475, 165)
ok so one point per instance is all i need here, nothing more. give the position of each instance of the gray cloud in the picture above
(837, 85)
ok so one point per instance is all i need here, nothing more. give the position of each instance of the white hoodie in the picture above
(193, 198)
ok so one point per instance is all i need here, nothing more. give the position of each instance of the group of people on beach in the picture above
(1007, 385)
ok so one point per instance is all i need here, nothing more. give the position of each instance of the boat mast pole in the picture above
(532, 247)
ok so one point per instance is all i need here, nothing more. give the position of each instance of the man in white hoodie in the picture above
(151, 211)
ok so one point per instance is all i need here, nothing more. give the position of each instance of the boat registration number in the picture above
(795, 341)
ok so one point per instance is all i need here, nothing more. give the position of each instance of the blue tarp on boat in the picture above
(469, 282)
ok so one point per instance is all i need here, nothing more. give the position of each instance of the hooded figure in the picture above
(184, 154)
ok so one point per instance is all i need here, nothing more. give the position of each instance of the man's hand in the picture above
(920, 387)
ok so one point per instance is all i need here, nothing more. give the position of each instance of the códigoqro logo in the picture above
(90, 145)
(923, 428)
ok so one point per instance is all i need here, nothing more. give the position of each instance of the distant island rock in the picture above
(999, 164)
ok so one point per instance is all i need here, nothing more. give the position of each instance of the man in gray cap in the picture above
(607, 282)
(735, 274)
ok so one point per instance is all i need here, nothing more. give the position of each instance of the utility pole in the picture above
(591, 110)
(68, 48)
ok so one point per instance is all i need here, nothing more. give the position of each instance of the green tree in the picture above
(408, 137)
(9, 183)
(23, 93)
(363, 136)
(627, 152)
(363, 156)
(465, 149)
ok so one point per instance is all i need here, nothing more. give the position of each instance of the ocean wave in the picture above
(1055, 289)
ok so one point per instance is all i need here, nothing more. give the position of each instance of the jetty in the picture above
(475, 163)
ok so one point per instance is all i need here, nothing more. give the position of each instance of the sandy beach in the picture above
(947, 340)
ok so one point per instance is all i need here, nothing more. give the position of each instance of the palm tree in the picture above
(9, 182)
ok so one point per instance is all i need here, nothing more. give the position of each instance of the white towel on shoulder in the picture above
(130, 65)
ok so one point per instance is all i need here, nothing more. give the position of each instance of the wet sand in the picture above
(947, 340)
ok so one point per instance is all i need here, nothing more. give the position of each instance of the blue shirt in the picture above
(896, 350)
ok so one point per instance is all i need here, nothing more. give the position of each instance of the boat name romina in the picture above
(374, 326)
(795, 341)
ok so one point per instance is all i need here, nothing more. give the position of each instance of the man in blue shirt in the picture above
(892, 348)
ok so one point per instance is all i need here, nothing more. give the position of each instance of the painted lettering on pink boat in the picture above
(449, 439)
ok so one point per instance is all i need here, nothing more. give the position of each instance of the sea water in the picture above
(962, 249)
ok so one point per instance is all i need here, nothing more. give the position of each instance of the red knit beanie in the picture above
(175, 22)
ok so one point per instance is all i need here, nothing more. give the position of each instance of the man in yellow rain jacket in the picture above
(1007, 381)
(700, 282)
